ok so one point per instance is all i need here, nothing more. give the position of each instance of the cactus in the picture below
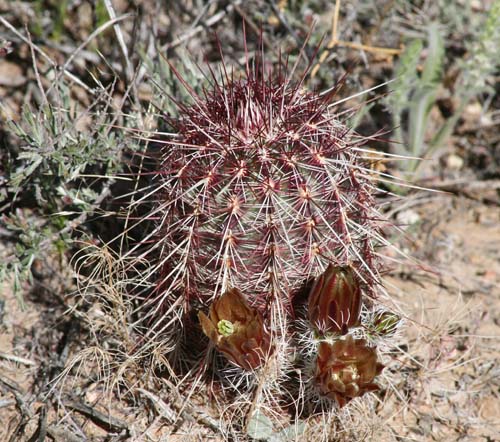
(262, 192)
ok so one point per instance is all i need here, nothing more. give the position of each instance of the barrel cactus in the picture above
(263, 195)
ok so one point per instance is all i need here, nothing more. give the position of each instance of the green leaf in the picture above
(260, 427)
(433, 67)
(420, 108)
(291, 433)
(406, 76)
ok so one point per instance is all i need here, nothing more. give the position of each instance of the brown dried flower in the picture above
(237, 330)
(346, 369)
(335, 300)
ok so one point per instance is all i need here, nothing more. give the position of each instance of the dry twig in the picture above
(334, 41)
(105, 421)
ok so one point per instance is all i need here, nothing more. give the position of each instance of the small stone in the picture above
(454, 162)
(407, 218)
(11, 74)
(490, 409)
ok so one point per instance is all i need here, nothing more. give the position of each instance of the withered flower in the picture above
(346, 369)
(335, 300)
(237, 330)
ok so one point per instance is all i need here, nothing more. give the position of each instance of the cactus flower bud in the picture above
(346, 369)
(237, 330)
(384, 323)
(335, 300)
